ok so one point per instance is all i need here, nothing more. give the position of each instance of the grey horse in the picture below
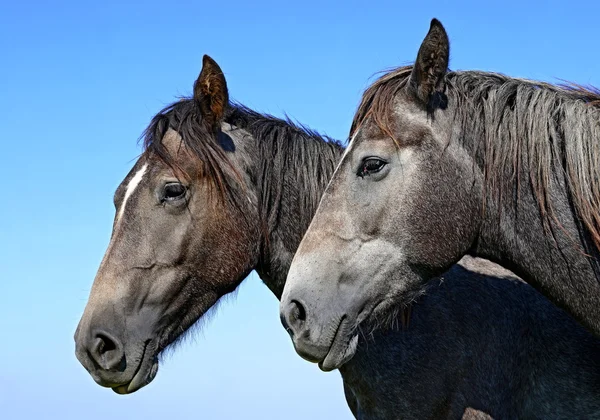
(446, 164)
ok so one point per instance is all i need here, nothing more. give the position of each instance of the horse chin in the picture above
(343, 348)
(144, 374)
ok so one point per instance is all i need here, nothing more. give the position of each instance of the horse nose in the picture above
(106, 351)
(293, 317)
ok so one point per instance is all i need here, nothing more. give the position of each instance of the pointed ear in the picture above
(210, 92)
(427, 77)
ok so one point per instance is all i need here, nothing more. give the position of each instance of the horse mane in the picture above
(556, 127)
(287, 152)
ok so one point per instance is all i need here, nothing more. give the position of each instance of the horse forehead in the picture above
(172, 141)
(369, 137)
(131, 186)
(408, 128)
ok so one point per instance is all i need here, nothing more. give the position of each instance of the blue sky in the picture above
(79, 81)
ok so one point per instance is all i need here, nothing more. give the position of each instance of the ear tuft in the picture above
(427, 77)
(210, 92)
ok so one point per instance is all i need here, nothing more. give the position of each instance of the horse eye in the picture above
(371, 166)
(173, 191)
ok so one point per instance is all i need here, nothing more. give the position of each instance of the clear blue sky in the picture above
(79, 81)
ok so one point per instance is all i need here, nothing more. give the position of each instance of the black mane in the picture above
(288, 152)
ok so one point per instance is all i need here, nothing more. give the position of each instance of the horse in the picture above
(221, 190)
(444, 164)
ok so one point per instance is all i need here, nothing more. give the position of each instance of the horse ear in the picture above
(427, 77)
(210, 92)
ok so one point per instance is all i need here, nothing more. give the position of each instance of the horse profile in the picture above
(221, 190)
(441, 165)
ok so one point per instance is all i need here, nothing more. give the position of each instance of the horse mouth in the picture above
(144, 373)
(342, 349)
(345, 342)
(368, 316)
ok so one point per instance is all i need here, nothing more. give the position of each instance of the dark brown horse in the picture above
(218, 192)
(221, 190)
(444, 164)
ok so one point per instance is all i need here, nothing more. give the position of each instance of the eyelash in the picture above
(173, 188)
(366, 170)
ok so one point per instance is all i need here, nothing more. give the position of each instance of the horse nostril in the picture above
(106, 351)
(104, 344)
(294, 318)
(298, 312)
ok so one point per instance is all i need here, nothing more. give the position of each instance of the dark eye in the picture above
(173, 191)
(370, 166)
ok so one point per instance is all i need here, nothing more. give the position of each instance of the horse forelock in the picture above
(378, 102)
(286, 151)
(200, 142)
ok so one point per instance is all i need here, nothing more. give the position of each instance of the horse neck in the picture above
(557, 256)
(292, 173)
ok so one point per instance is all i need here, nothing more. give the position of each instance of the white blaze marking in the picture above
(133, 183)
